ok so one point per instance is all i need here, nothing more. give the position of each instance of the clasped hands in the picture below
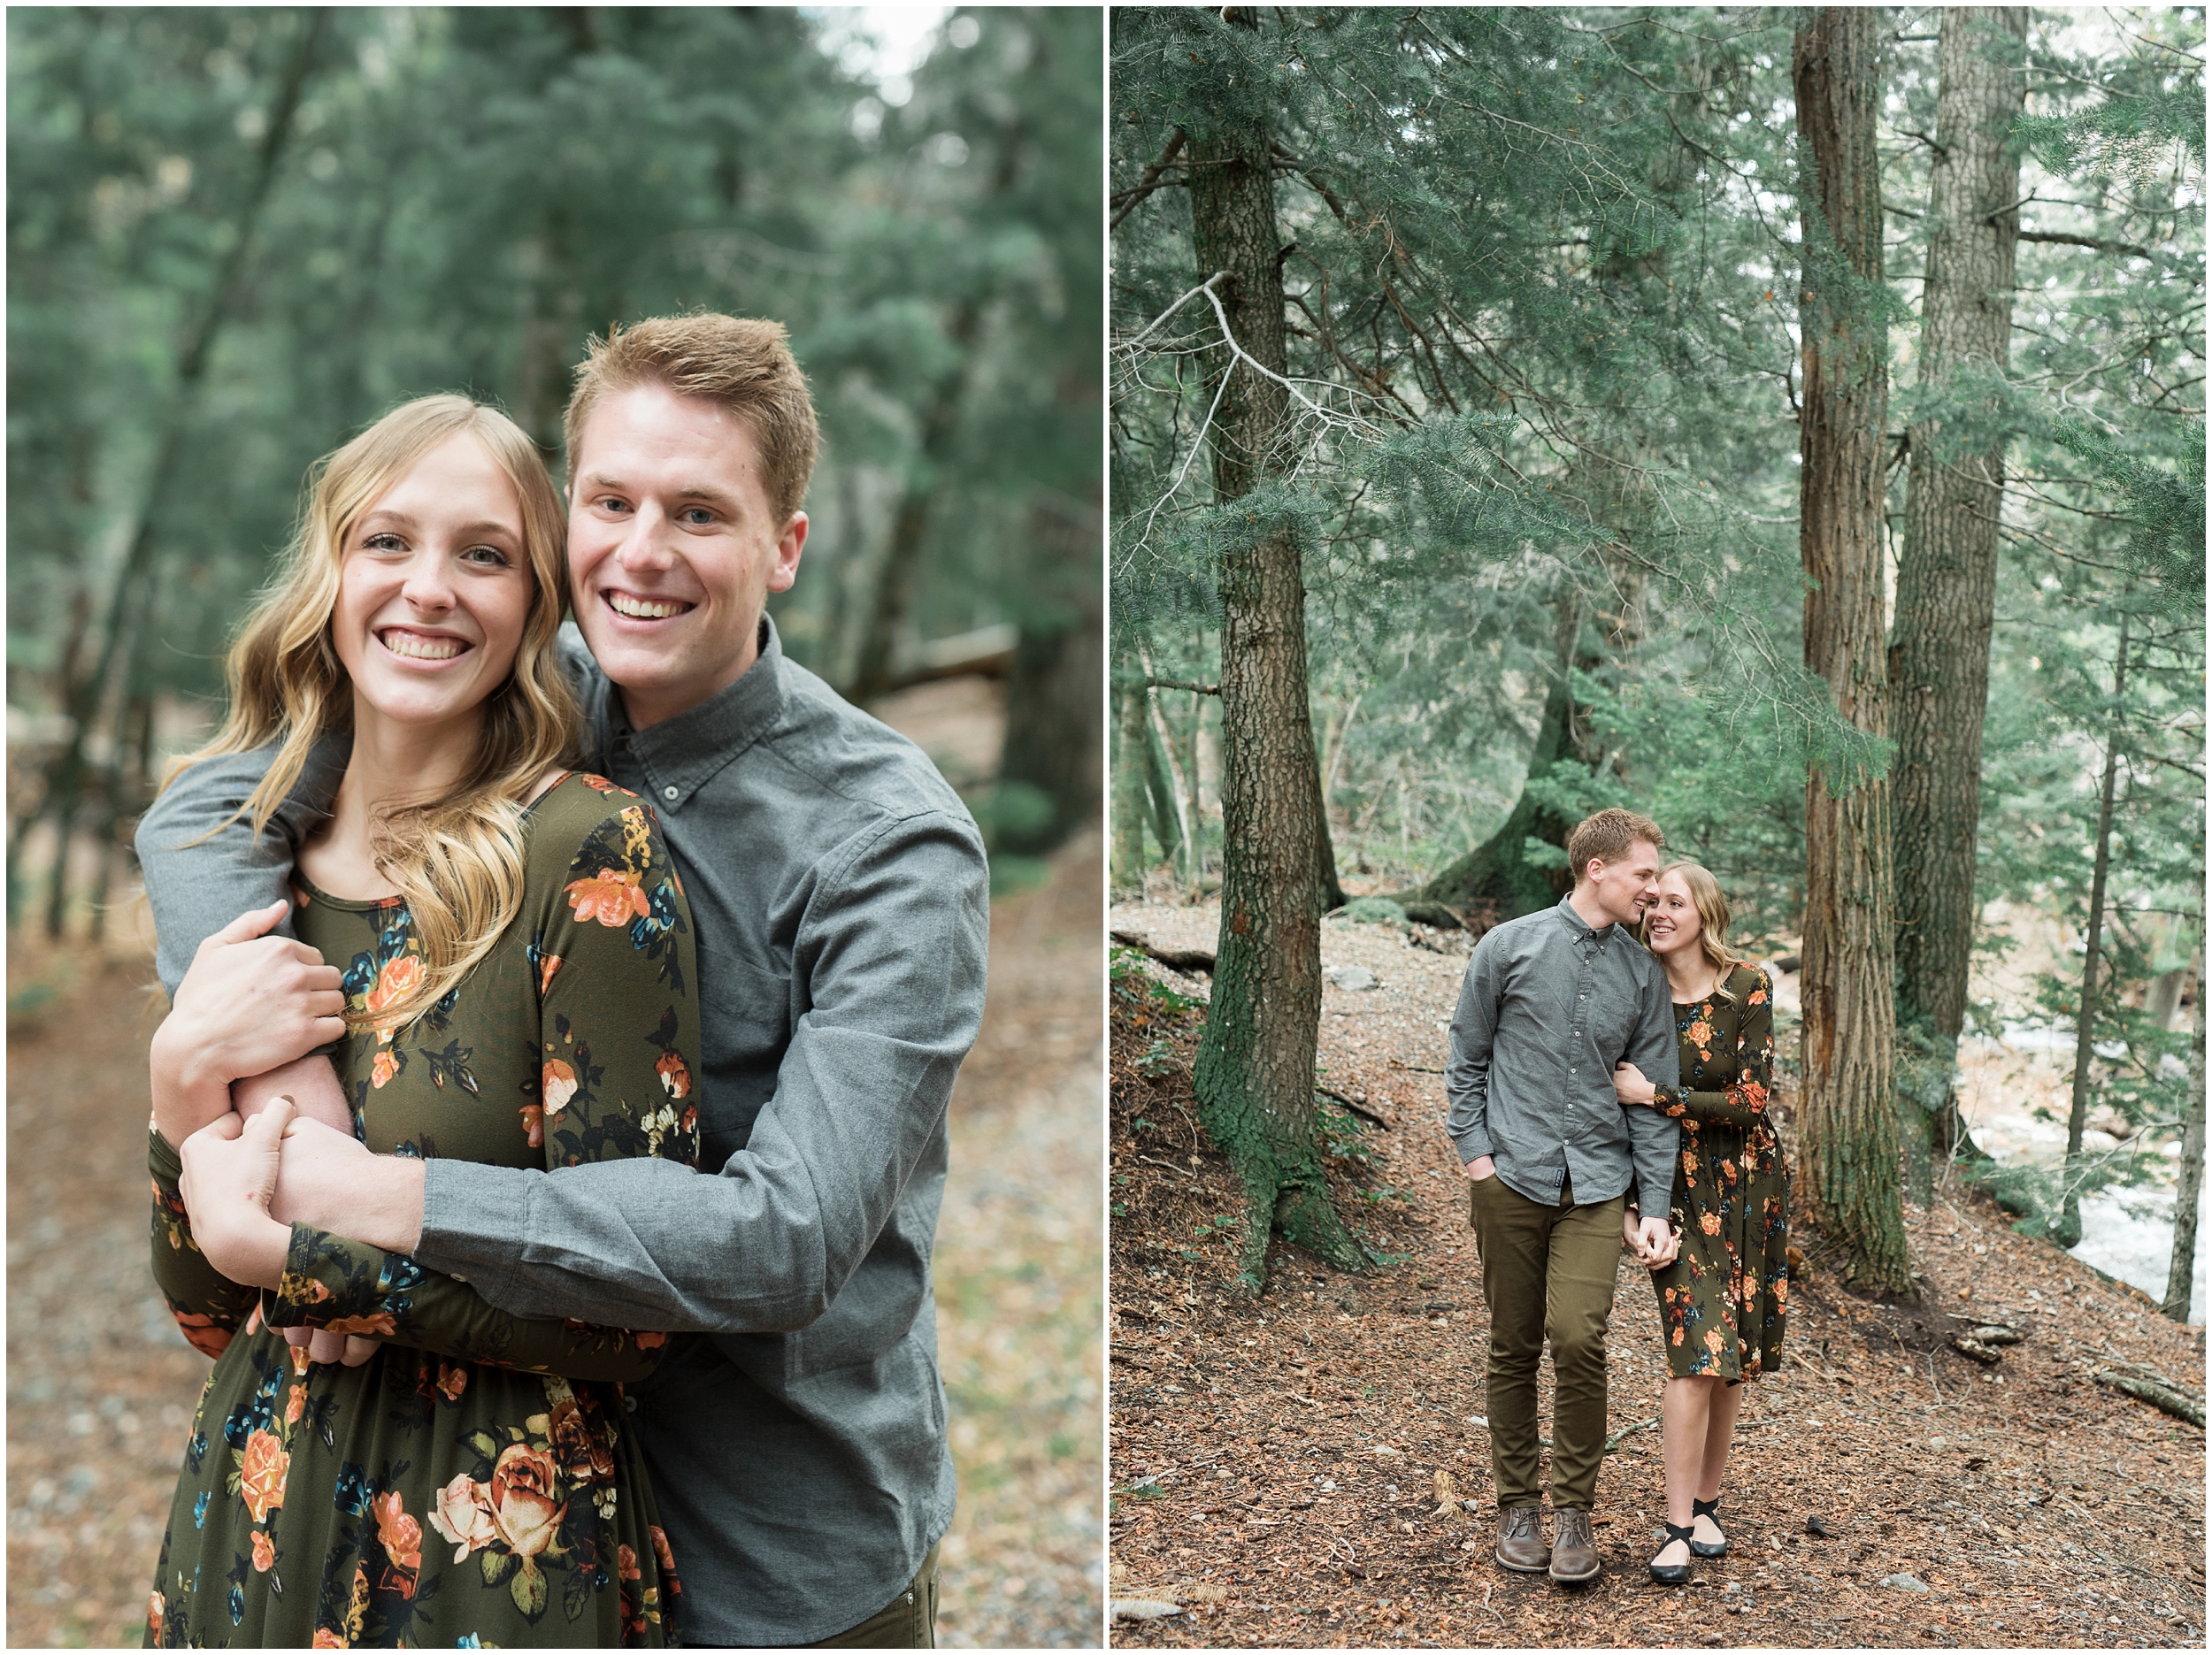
(256, 1006)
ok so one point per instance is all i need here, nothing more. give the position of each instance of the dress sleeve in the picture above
(209, 1307)
(613, 965)
(1743, 1104)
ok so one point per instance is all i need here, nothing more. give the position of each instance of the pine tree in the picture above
(1849, 1032)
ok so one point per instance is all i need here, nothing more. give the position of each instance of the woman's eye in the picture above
(486, 556)
(383, 543)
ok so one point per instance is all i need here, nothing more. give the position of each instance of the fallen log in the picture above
(2165, 1398)
(1189, 960)
(1360, 1109)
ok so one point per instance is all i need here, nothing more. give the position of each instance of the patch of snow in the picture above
(2128, 1231)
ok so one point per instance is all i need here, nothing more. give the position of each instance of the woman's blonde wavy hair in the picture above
(1712, 913)
(458, 861)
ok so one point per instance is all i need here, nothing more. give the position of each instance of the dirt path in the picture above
(1274, 1465)
(101, 1387)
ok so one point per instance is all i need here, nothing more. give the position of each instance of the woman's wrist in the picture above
(185, 1095)
(246, 1245)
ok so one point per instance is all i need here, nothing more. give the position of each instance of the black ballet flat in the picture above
(1707, 1508)
(1673, 1574)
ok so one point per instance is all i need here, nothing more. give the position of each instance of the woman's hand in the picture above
(249, 1002)
(1629, 1087)
(230, 1173)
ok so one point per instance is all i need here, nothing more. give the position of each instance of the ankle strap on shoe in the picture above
(1704, 1508)
(1690, 1533)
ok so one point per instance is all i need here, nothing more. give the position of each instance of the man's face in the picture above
(1624, 889)
(673, 548)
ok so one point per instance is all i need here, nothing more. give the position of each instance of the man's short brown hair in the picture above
(742, 364)
(1607, 836)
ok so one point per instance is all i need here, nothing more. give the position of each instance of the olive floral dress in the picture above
(475, 1483)
(1724, 1300)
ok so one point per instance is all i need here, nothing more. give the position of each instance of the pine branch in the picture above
(1129, 198)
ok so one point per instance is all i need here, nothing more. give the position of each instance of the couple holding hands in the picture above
(1610, 1090)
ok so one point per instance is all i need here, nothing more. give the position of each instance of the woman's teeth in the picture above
(415, 648)
(645, 609)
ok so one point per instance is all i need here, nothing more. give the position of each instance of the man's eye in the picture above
(698, 517)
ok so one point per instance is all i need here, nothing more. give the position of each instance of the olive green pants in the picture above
(1547, 1273)
(908, 1621)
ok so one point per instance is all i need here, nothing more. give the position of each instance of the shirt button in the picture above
(629, 1404)
(671, 794)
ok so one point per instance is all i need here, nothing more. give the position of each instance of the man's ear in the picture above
(790, 542)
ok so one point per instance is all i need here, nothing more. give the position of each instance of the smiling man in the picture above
(797, 1444)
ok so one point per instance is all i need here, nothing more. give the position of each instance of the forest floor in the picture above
(1275, 1463)
(100, 1386)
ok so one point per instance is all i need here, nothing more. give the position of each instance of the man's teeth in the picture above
(645, 609)
(418, 648)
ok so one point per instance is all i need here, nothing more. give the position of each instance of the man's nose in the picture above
(645, 548)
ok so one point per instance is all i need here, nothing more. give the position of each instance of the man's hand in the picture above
(1657, 1242)
(230, 1171)
(249, 1002)
(1480, 1168)
(331, 1182)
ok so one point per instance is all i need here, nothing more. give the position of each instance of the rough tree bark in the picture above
(1128, 825)
(2181, 1272)
(1947, 569)
(1254, 1075)
(2068, 1231)
(1851, 1142)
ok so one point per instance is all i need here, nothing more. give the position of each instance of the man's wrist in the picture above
(380, 1204)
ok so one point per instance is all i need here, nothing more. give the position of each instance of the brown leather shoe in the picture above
(1574, 1550)
(1521, 1540)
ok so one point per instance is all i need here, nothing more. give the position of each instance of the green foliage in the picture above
(466, 194)
(1375, 910)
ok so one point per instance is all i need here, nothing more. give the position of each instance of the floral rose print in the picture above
(261, 1475)
(1724, 1303)
(557, 1085)
(674, 1075)
(522, 1499)
(613, 897)
(428, 1498)
(463, 1516)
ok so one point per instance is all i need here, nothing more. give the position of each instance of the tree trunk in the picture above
(1128, 855)
(940, 425)
(2068, 1231)
(1851, 1141)
(65, 778)
(1331, 894)
(2181, 1274)
(1947, 571)
(1254, 1075)
(1052, 722)
(1496, 874)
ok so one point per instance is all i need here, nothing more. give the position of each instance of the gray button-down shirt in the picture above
(1548, 1006)
(797, 1448)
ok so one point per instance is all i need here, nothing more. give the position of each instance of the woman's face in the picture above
(1672, 922)
(433, 588)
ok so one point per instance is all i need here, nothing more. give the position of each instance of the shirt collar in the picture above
(1579, 929)
(682, 754)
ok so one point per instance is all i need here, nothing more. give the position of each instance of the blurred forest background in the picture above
(1536, 449)
(236, 236)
